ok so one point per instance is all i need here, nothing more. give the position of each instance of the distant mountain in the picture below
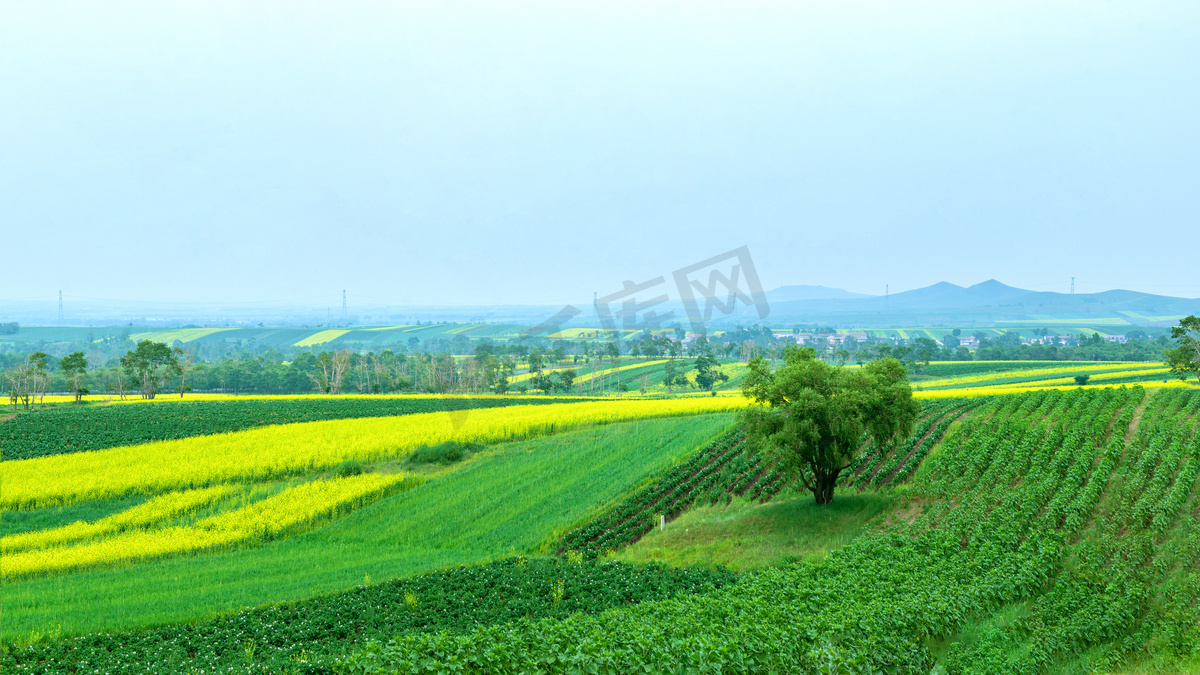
(987, 303)
(791, 293)
(946, 295)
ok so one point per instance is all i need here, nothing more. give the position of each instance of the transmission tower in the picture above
(60, 311)
(1072, 285)
(345, 314)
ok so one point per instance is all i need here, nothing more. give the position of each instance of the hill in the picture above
(984, 304)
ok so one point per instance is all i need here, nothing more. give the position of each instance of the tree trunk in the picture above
(823, 487)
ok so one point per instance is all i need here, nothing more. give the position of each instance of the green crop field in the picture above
(61, 430)
(1023, 526)
(512, 499)
(1050, 532)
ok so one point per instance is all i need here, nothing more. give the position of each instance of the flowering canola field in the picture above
(1030, 376)
(262, 520)
(152, 512)
(294, 449)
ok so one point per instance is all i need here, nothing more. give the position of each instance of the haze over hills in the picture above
(984, 304)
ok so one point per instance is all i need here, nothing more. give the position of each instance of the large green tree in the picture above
(73, 366)
(708, 372)
(811, 417)
(149, 364)
(1184, 359)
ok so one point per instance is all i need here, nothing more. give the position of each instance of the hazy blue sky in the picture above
(508, 152)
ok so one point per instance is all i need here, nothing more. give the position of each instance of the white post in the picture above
(662, 523)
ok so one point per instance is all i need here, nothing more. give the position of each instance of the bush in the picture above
(348, 468)
(444, 453)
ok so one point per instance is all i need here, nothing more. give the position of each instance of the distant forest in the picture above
(461, 364)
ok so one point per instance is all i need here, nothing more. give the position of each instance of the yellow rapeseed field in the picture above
(154, 511)
(1000, 390)
(262, 520)
(293, 449)
(1030, 374)
(600, 372)
(1099, 378)
(320, 338)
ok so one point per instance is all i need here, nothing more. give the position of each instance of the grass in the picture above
(14, 522)
(517, 497)
(747, 535)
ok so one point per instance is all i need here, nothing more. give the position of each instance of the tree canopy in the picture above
(150, 364)
(73, 366)
(1184, 358)
(811, 417)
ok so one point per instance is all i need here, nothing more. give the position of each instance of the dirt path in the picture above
(5, 418)
(1137, 416)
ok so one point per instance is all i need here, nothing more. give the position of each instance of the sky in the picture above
(424, 153)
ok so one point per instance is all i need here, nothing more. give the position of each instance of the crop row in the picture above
(721, 469)
(152, 512)
(1059, 370)
(266, 519)
(1034, 503)
(305, 637)
(294, 449)
(56, 431)
(870, 458)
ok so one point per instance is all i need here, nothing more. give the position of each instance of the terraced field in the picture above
(1044, 531)
(1048, 533)
(499, 502)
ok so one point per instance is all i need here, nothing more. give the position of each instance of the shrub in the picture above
(348, 468)
(448, 452)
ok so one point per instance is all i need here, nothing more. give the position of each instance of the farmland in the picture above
(63, 430)
(512, 499)
(205, 524)
(1099, 571)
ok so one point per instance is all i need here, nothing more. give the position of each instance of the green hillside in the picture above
(1049, 532)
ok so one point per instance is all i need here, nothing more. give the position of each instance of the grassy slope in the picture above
(748, 535)
(13, 522)
(510, 500)
(961, 568)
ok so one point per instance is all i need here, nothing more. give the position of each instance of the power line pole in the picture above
(60, 310)
(1072, 285)
(345, 315)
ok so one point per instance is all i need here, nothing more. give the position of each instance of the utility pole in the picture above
(886, 288)
(345, 316)
(1072, 285)
(60, 310)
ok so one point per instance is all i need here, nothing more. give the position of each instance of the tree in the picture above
(184, 358)
(27, 380)
(566, 379)
(1081, 380)
(149, 364)
(330, 370)
(117, 384)
(543, 381)
(73, 366)
(708, 372)
(674, 375)
(810, 417)
(1184, 358)
(926, 349)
